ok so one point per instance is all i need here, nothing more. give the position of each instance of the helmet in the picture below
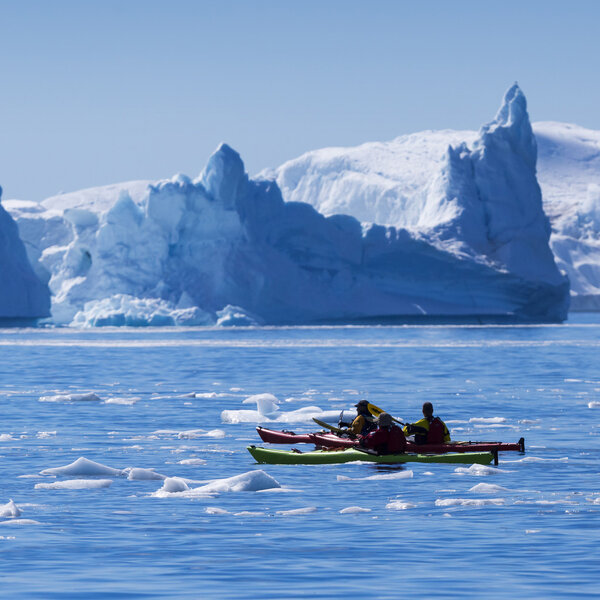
(385, 420)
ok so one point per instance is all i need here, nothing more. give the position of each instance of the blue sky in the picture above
(96, 92)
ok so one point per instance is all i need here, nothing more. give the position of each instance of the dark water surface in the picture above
(533, 530)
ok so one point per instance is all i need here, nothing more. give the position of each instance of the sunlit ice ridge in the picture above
(227, 249)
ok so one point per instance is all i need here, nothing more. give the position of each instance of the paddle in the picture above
(330, 427)
(376, 411)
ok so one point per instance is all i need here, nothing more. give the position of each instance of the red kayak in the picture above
(330, 440)
(283, 437)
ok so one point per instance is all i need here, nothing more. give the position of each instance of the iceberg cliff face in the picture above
(226, 247)
(412, 181)
(22, 295)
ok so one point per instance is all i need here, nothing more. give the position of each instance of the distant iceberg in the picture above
(226, 249)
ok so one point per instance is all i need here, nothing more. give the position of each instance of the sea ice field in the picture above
(125, 472)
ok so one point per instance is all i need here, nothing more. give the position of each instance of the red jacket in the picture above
(388, 440)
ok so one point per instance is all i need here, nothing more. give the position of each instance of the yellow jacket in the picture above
(421, 427)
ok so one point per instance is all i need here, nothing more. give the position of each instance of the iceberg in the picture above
(391, 183)
(225, 249)
(23, 296)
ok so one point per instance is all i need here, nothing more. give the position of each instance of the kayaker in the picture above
(387, 438)
(364, 421)
(429, 429)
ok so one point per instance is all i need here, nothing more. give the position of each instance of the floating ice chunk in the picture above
(399, 505)
(174, 485)
(594, 404)
(297, 511)
(10, 510)
(249, 513)
(234, 316)
(479, 470)
(83, 466)
(379, 476)
(487, 420)
(6, 437)
(353, 510)
(252, 481)
(528, 531)
(75, 484)
(488, 488)
(124, 401)
(470, 502)
(199, 433)
(90, 397)
(215, 510)
(594, 500)
(126, 310)
(20, 522)
(192, 461)
(137, 474)
(45, 434)
(267, 409)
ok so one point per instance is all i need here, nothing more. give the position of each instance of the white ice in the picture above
(487, 488)
(297, 511)
(139, 474)
(469, 502)
(399, 505)
(84, 467)
(267, 410)
(10, 510)
(379, 476)
(75, 484)
(252, 481)
(353, 510)
(479, 470)
(89, 397)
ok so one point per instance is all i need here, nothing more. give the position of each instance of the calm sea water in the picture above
(532, 531)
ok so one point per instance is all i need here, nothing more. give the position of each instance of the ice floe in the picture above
(594, 404)
(267, 409)
(297, 511)
(488, 488)
(199, 433)
(252, 481)
(352, 510)
(379, 476)
(20, 522)
(85, 467)
(215, 510)
(479, 470)
(192, 461)
(90, 397)
(10, 510)
(123, 400)
(399, 505)
(6, 437)
(527, 459)
(470, 502)
(75, 484)
(138, 474)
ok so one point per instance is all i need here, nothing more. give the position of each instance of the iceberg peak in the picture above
(224, 176)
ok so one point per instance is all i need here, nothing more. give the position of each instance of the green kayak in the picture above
(327, 457)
